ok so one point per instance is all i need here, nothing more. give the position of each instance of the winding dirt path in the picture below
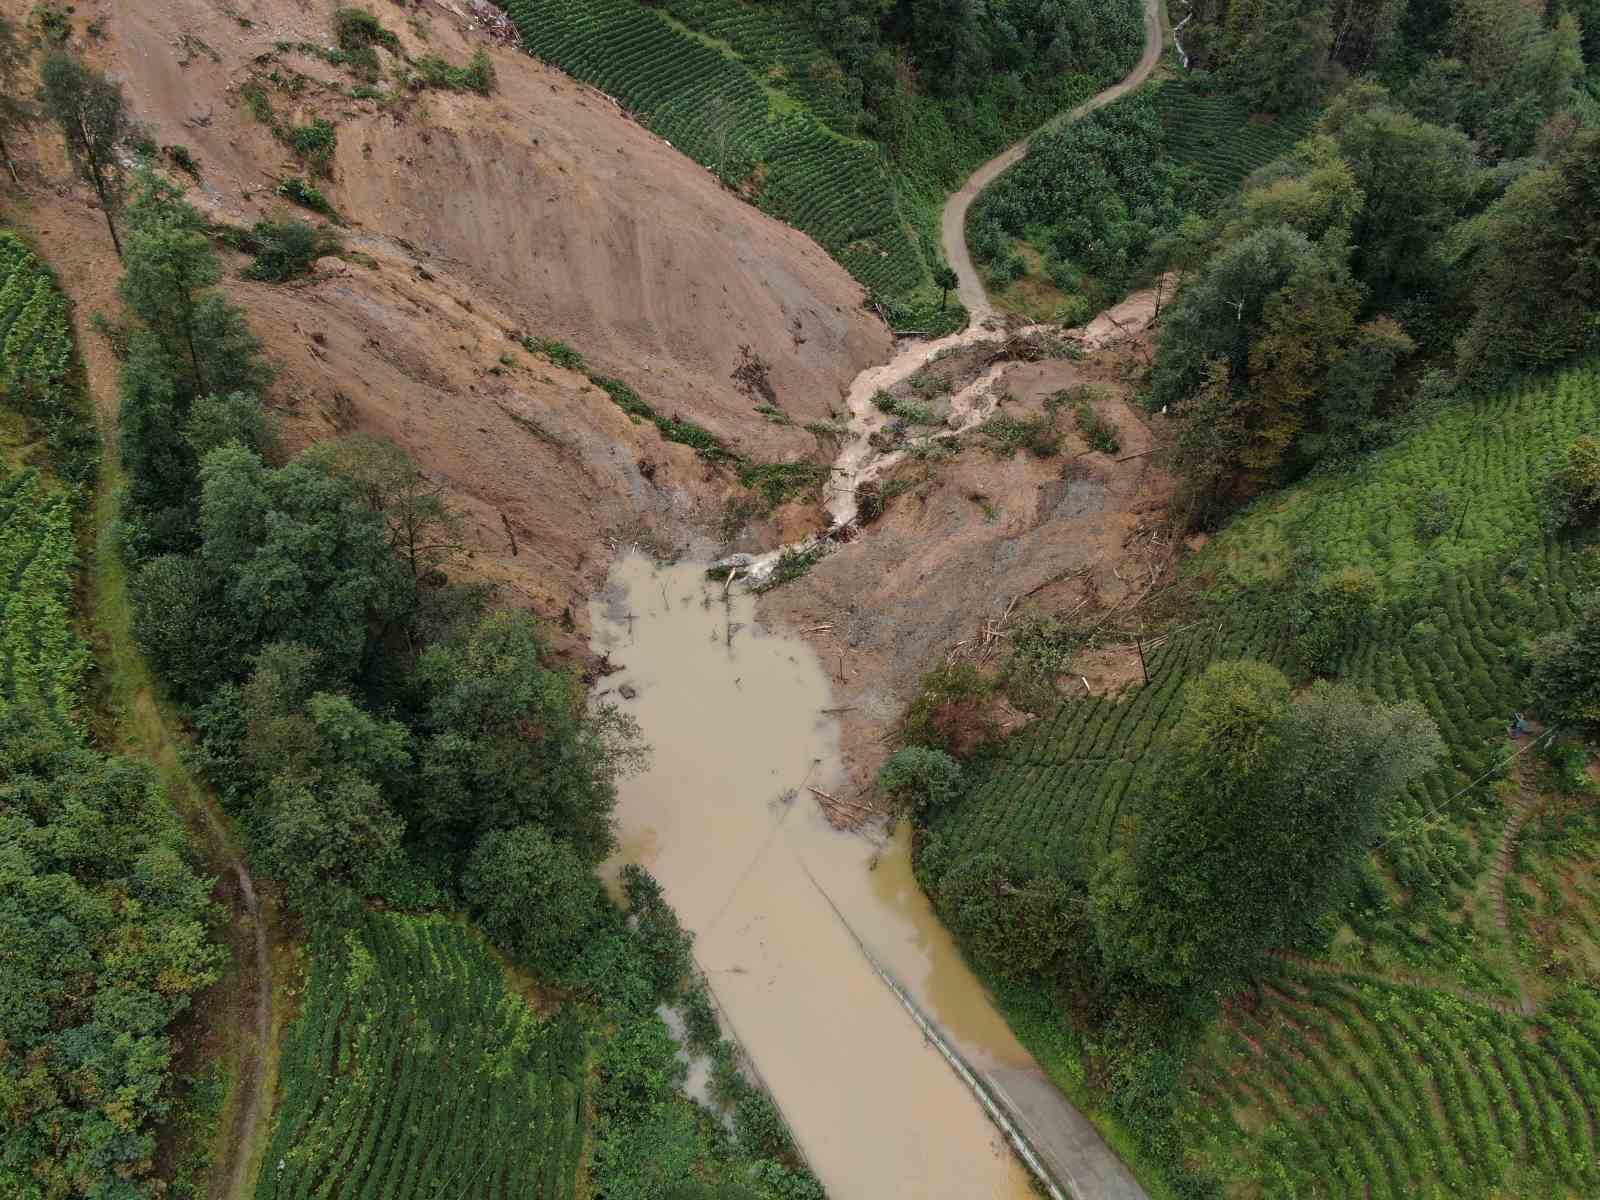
(954, 236)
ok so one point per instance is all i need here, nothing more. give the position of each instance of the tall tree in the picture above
(1534, 257)
(168, 265)
(15, 111)
(92, 115)
(1415, 179)
(1263, 808)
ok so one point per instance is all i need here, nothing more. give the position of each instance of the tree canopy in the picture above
(1265, 805)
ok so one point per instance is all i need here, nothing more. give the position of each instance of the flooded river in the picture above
(736, 721)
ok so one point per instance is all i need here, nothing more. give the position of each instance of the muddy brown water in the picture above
(734, 716)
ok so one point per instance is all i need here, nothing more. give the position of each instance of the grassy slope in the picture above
(1434, 1084)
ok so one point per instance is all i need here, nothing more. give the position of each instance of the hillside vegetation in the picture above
(1411, 1030)
(1083, 217)
(104, 920)
(826, 139)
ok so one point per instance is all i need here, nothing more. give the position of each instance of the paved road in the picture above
(1073, 1151)
(971, 289)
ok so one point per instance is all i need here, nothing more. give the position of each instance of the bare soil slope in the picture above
(981, 536)
(542, 209)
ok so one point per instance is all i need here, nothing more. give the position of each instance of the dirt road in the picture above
(971, 290)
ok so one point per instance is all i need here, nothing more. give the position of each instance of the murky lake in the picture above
(723, 819)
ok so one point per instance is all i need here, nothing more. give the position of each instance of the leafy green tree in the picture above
(91, 113)
(1534, 258)
(1566, 671)
(1516, 70)
(234, 419)
(1312, 190)
(946, 280)
(508, 741)
(1415, 180)
(532, 894)
(1019, 925)
(1262, 809)
(1573, 489)
(1276, 52)
(15, 111)
(160, 514)
(1247, 346)
(329, 841)
(297, 556)
(423, 531)
(167, 266)
(180, 619)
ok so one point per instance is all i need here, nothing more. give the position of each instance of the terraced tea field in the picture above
(1219, 139)
(413, 1072)
(699, 94)
(1431, 1094)
(42, 659)
(1403, 1067)
(37, 372)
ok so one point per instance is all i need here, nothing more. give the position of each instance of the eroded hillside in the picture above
(539, 210)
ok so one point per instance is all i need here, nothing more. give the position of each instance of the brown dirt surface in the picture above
(972, 535)
(541, 209)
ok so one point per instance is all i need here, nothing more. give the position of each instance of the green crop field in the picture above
(42, 659)
(1402, 1066)
(708, 101)
(414, 1072)
(38, 378)
(1218, 139)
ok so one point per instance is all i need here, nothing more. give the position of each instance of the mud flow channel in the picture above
(722, 817)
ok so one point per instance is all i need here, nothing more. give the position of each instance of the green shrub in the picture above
(950, 712)
(1004, 435)
(778, 483)
(1100, 433)
(357, 31)
(306, 195)
(186, 162)
(1566, 671)
(476, 76)
(287, 249)
(920, 780)
(1333, 616)
(313, 144)
(558, 352)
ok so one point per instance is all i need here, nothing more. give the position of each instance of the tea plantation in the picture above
(1216, 137)
(42, 659)
(37, 376)
(1440, 1051)
(413, 1071)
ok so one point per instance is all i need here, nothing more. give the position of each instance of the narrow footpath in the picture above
(954, 234)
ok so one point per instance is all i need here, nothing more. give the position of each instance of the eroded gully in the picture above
(796, 924)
